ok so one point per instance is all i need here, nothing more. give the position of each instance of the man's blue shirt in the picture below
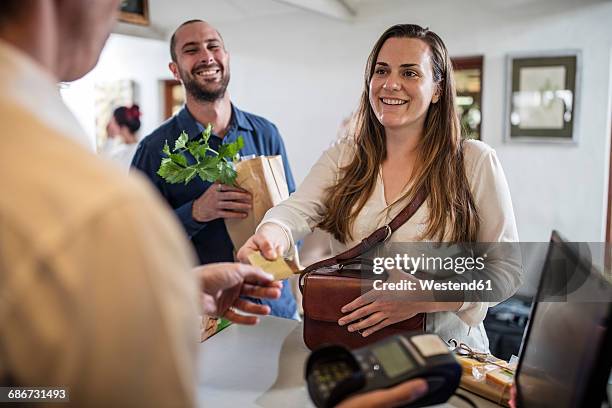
(210, 239)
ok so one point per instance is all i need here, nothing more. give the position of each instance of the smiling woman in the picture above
(406, 141)
(408, 130)
(395, 83)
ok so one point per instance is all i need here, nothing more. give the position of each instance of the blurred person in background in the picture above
(122, 139)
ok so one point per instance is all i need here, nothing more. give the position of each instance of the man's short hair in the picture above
(173, 38)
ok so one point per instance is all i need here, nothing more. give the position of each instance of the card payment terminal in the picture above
(334, 373)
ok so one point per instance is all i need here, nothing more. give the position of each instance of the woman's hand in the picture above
(270, 240)
(224, 283)
(376, 309)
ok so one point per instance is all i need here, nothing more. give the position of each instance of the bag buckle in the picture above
(389, 232)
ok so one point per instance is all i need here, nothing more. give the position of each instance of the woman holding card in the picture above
(407, 139)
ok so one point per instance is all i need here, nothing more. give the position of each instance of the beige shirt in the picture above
(305, 209)
(96, 289)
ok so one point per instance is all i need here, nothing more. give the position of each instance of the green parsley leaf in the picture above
(209, 165)
(166, 149)
(180, 142)
(231, 149)
(172, 172)
(197, 150)
(207, 132)
(179, 159)
(192, 173)
(227, 174)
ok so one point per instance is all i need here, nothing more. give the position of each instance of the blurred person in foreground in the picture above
(97, 290)
(96, 278)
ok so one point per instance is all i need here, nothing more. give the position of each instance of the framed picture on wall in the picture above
(108, 96)
(134, 12)
(542, 100)
(468, 84)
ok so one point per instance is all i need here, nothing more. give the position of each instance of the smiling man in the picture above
(201, 62)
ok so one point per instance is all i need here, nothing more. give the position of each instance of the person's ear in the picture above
(175, 71)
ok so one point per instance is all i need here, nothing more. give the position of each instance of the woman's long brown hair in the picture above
(440, 167)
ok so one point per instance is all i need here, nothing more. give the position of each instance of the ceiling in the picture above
(166, 15)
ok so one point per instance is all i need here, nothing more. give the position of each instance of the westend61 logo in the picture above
(413, 264)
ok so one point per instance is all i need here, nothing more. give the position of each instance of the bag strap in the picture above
(380, 235)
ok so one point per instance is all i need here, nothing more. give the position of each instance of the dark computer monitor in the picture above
(566, 353)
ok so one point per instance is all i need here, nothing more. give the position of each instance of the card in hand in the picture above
(278, 268)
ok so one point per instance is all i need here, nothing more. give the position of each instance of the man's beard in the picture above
(202, 93)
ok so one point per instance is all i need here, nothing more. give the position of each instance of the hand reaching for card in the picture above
(224, 283)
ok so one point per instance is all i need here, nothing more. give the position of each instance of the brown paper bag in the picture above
(264, 178)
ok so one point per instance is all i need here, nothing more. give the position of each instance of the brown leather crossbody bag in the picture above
(329, 284)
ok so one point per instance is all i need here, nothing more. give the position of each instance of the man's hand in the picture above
(224, 283)
(399, 395)
(221, 201)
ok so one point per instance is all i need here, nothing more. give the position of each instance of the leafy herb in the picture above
(218, 166)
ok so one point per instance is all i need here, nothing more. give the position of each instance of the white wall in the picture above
(143, 60)
(304, 72)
